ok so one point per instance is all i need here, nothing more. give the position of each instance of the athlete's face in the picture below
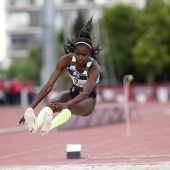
(82, 52)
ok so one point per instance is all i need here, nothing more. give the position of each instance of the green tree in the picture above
(119, 25)
(152, 50)
(78, 25)
(27, 68)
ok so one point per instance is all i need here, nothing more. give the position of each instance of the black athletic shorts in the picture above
(74, 92)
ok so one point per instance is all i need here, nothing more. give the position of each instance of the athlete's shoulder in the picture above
(94, 69)
(67, 59)
(95, 64)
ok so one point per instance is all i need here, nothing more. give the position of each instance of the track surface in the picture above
(108, 146)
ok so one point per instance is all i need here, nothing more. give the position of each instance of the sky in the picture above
(2, 30)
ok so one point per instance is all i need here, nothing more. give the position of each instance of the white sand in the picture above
(151, 166)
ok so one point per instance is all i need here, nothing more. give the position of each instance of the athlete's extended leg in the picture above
(65, 114)
(46, 115)
(60, 119)
(78, 109)
(84, 108)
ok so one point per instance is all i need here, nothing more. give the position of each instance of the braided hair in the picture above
(84, 39)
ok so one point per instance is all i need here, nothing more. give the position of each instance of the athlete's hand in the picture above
(59, 106)
(22, 120)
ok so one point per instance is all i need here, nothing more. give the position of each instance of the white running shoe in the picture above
(30, 120)
(48, 117)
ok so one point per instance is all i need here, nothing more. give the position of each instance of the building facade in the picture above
(25, 19)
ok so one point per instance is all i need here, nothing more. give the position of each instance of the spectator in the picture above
(29, 86)
(16, 87)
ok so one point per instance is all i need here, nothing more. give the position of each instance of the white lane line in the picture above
(132, 147)
(99, 156)
(29, 151)
(13, 129)
(131, 156)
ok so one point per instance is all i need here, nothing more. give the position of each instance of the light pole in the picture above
(50, 40)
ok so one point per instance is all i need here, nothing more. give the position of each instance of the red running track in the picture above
(149, 141)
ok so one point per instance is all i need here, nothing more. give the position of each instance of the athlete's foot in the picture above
(48, 116)
(30, 120)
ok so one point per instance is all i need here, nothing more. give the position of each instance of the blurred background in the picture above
(134, 36)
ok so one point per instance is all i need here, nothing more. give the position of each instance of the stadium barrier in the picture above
(101, 116)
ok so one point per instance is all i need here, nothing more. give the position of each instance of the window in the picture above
(17, 20)
(24, 2)
(19, 42)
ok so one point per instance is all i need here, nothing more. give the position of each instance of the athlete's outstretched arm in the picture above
(62, 63)
(50, 83)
